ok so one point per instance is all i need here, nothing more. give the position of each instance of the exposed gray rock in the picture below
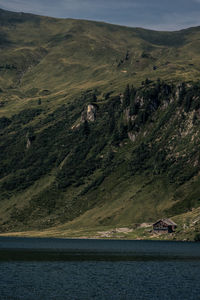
(127, 114)
(89, 114)
(28, 143)
(132, 136)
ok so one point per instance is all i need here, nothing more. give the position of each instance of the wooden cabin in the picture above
(164, 225)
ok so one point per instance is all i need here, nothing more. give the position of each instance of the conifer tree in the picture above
(127, 96)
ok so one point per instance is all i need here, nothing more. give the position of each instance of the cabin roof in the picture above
(166, 221)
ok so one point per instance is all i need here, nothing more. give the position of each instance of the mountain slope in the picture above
(81, 147)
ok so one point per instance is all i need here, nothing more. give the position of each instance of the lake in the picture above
(59, 269)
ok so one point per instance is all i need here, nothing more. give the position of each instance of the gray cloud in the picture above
(155, 14)
(21, 5)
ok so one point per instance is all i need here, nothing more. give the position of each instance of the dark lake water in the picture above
(59, 269)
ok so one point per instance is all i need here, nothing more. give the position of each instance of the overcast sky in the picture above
(154, 14)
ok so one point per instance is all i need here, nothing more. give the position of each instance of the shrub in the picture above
(4, 122)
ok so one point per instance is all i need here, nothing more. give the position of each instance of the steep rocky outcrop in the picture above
(89, 114)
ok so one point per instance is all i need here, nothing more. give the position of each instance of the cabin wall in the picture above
(164, 228)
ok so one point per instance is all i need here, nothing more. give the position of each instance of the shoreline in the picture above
(143, 231)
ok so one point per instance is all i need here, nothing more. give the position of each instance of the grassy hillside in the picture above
(99, 126)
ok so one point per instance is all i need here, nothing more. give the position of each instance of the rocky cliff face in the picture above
(89, 114)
